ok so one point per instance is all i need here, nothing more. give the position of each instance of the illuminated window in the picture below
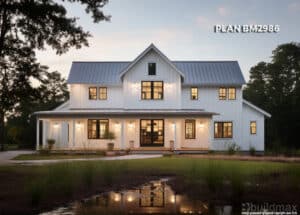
(231, 93)
(93, 93)
(223, 130)
(152, 90)
(194, 93)
(222, 93)
(190, 131)
(97, 128)
(252, 127)
(102, 93)
(151, 68)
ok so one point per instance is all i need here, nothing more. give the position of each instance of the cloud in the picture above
(294, 7)
(223, 11)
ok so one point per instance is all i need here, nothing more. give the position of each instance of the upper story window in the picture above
(102, 93)
(222, 93)
(231, 93)
(190, 129)
(223, 130)
(93, 93)
(227, 93)
(151, 68)
(152, 90)
(97, 128)
(194, 93)
(253, 127)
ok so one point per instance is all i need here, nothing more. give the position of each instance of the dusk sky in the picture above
(182, 30)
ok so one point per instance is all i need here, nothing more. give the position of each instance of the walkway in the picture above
(5, 158)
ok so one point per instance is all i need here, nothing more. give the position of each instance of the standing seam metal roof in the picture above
(205, 73)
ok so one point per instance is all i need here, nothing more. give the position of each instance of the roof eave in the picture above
(257, 108)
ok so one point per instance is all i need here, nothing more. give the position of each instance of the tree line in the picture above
(275, 87)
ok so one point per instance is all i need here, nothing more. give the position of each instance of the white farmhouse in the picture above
(154, 104)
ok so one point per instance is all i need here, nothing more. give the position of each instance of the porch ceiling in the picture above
(126, 113)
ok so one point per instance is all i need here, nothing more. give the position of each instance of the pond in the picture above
(154, 197)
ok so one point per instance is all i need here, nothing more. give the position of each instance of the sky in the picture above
(182, 30)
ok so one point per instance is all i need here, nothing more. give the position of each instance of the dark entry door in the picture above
(152, 132)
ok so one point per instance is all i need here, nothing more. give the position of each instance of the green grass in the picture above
(55, 156)
(42, 183)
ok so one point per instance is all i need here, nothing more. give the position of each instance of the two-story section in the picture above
(154, 104)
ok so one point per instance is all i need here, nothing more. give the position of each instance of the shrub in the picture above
(110, 146)
(232, 148)
(252, 150)
(50, 143)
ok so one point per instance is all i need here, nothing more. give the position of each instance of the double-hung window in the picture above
(194, 93)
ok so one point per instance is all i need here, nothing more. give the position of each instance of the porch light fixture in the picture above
(55, 125)
(78, 124)
(131, 124)
(201, 125)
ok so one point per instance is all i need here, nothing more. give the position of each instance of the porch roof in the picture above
(96, 112)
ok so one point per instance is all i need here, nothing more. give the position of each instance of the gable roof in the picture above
(201, 73)
(151, 47)
(249, 104)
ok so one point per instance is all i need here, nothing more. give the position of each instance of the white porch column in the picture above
(37, 133)
(122, 135)
(175, 142)
(73, 133)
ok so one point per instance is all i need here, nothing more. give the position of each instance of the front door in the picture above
(152, 132)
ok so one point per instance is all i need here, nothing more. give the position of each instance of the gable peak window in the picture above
(194, 93)
(151, 68)
(93, 93)
(152, 90)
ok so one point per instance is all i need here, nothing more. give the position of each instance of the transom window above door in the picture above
(152, 90)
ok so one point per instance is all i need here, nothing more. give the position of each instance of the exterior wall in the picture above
(228, 110)
(79, 97)
(126, 130)
(164, 72)
(256, 140)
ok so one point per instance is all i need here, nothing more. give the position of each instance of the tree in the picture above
(30, 25)
(275, 86)
(52, 92)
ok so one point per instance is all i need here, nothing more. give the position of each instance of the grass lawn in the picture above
(55, 156)
(36, 188)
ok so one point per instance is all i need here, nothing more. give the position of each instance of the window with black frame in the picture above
(97, 128)
(190, 129)
(223, 130)
(152, 90)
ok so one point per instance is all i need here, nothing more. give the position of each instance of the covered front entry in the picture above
(152, 132)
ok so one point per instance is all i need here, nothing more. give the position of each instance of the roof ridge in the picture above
(174, 61)
(203, 61)
(101, 61)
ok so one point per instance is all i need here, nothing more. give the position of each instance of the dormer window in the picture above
(151, 68)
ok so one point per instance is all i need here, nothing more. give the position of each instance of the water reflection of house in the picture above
(155, 197)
